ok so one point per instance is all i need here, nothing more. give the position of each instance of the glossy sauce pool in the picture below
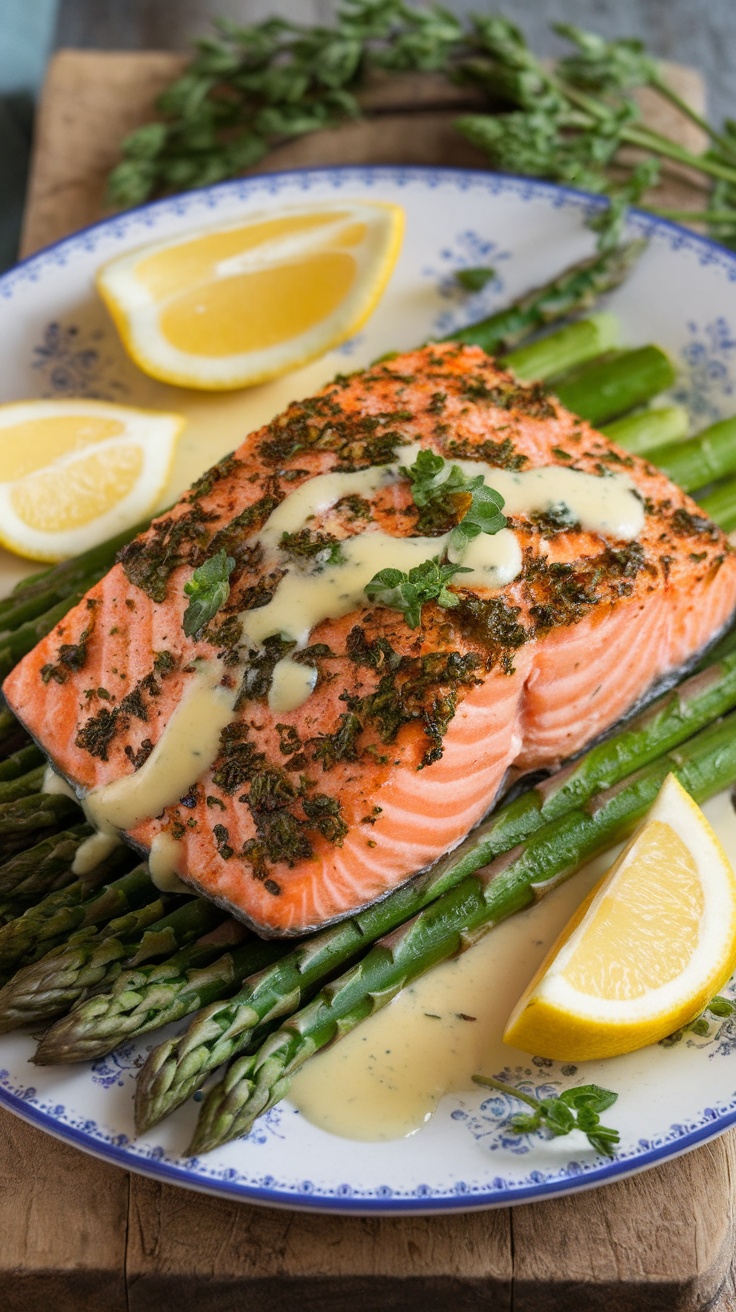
(385, 1079)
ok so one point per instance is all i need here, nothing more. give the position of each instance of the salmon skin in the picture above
(305, 815)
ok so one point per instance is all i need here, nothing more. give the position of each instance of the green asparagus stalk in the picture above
(13, 736)
(702, 459)
(603, 390)
(704, 765)
(720, 504)
(50, 921)
(647, 429)
(43, 868)
(20, 762)
(50, 986)
(25, 609)
(576, 289)
(178, 1066)
(146, 997)
(564, 349)
(24, 785)
(21, 821)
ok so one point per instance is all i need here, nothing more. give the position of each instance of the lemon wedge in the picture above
(649, 947)
(76, 472)
(229, 306)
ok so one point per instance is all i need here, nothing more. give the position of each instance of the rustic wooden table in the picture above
(77, 1234)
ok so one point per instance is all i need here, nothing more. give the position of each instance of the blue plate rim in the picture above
(127, 1156)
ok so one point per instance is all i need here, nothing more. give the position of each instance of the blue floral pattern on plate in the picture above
(466, 1156)
(708, 373)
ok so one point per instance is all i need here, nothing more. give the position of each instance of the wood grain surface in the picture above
(77, 1234)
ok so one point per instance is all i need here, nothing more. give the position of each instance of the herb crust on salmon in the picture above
(340, 756)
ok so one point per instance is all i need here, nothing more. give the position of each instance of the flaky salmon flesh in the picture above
(298, 817)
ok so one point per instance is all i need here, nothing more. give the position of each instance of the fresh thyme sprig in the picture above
(209, 589)
(408, 592)
(434, 480)
(573, 1109)
(249, 89)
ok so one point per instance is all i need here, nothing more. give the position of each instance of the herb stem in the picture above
(653, 141)
(659, 85)
(488, 1082)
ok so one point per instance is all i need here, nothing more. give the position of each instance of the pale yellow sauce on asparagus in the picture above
(386, 1078)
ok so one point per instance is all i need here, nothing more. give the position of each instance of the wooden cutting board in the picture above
(77, 1234)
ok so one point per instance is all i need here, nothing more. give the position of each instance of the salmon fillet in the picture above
(305, 815)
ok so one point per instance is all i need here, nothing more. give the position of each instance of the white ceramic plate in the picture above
(56, 340)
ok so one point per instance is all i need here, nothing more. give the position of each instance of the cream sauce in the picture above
(186, 748)
(291, 685)
(302, 601)
(164, 860)
(609, 505)
(385, 1079)
(55, 784)
(93, 851)
(318, 495)
(492, 559)
(605, 505)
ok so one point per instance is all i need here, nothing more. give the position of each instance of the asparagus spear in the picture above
(178, 1066)
(24, 785)
(50, 986)
(603, 390)
(702, 459)
(146, 997)
(575, 289)
(13, 736)
(25, 609)
(44, 867)
(643, 431)
(720, 504)
(21, 821)
(704, 765)
(18, 763)
(564, 349)
(50, 921)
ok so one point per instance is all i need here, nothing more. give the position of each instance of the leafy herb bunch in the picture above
(250, 89)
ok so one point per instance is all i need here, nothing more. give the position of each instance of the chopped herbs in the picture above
(408, 592)
(150, 560)
(306, 544)
(341, 745)
(70, 658)
(259, 668)
(139, 758)
(238, 759)
(98, 732)
(325, 814)
(502, 454)
(209, 589)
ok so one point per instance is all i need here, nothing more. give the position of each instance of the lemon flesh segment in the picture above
(648, 948)
(75, 472)
(234, 305)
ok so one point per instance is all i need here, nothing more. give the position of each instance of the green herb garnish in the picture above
(408, 592)
(573, 1109)
(209, 589)
(249, 89)
(474, 280)
(433, 481)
